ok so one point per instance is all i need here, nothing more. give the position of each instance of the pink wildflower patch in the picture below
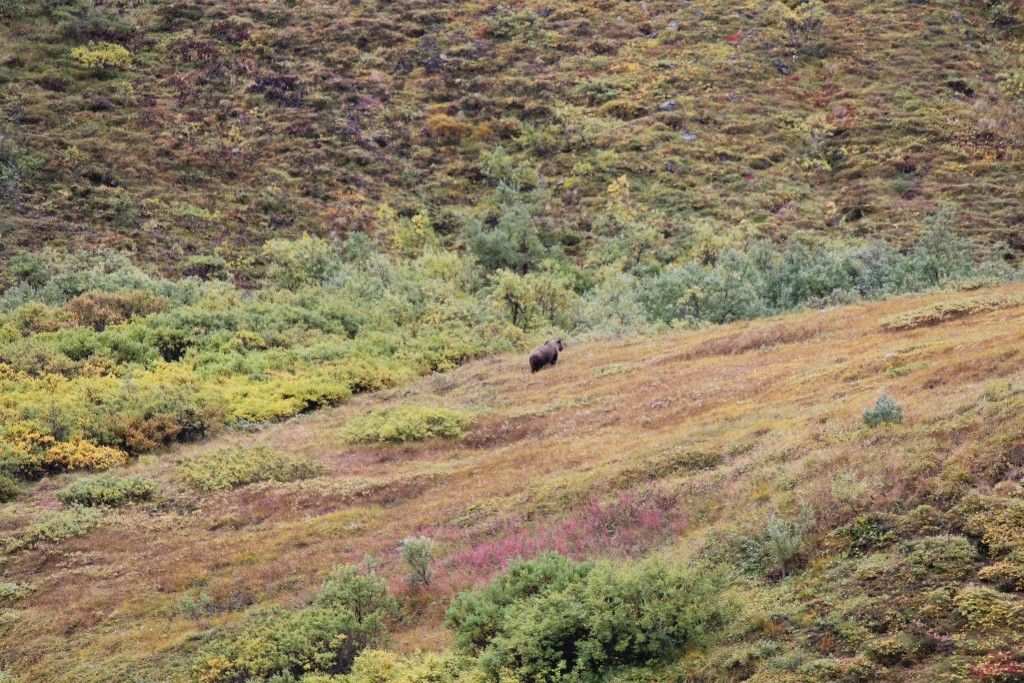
(628, 526)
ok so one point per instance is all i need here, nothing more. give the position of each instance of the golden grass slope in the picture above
(736, 422)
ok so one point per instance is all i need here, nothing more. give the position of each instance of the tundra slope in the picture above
(733, 425)
(244, 120)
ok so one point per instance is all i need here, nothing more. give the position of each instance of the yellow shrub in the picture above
(98, 56)
(23, 449)
(81, 455)
(281, 396)
(216, 670)
(406, 423)
(381, 666)
(1007, 574)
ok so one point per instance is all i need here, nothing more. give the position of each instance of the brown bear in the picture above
(545, 354)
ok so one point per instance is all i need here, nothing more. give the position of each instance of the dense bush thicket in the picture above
(611, 616)
(547, 619)
(100, 360)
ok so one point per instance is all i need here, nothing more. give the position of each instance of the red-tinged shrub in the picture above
(1001, 667)
(101, 309)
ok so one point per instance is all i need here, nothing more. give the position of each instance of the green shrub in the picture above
(294, 263)
(416, 552)
(143, 416)
(591, 619)
(10, 592)
(988, 610)
(901, 648)
(351, 614)
(476, 616)
(53, 528)
(206, 267)
(866, 533)
(406, 423)
(11, 9)
(229, 468)
(774, 551)
(108, 490)
(940, 558)
(101, 309)
(886, 409)
(9, 487)
(1006, 574)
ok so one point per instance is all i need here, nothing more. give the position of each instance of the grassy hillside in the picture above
(854, 553)
(181, 128)
(269, 271)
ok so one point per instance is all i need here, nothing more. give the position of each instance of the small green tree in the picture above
(941, 254)
(512, 293)
(507, 237)
(533, 299)
(416, 552)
